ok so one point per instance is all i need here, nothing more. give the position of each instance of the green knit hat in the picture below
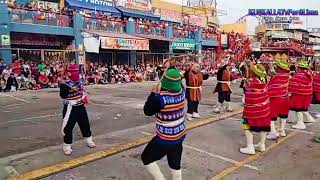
(171, 80)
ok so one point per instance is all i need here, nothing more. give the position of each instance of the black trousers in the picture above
(155, 151)
(192, 106)
(78, 115)
(224, 96)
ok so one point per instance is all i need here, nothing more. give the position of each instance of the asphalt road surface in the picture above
(30, 123)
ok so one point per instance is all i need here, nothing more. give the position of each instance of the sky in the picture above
(237, 8)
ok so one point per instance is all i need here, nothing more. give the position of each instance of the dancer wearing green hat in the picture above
(168, 107)
(279, 100)
(300, 89)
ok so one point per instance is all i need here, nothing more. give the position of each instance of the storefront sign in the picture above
(280, 34)
(124, 43)
(91, 4)
(5, 40)
(47, 5)
(184, 44)
(141, 5)
(167, 15)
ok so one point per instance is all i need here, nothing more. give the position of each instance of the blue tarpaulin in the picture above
(94, 5)
(138, 14)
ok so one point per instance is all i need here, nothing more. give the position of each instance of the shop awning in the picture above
(138, 14)
(92, 6)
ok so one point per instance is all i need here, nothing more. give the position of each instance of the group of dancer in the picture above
(285, 96)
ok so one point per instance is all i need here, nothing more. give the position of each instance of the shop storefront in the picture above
(37, 47)
(116, 49)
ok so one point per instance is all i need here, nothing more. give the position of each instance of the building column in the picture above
(5, 42)
(78, 38)
(131, 28)
(198, 38)
(133, 58)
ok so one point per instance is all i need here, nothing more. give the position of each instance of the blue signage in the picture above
(97, 5)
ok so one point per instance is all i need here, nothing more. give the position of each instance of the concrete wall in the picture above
(235, 27)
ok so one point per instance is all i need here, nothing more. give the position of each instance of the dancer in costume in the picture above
(279, 100)
(316, 84)
(168, 107)
(244, 69)
(74, 98)
(300, 92)
(256, 113)
(194, 79)
(223, 88)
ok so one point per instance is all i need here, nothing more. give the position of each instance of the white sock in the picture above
(155, 171)
(176, 174)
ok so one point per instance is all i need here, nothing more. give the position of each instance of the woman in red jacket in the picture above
(256, 113)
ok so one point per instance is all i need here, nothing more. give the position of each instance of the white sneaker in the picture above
(299, 126)
(272, 136)
(248, 150)
(189, 117)
(317, 115)
(67, 149)
(196, 115)
(90, 143)
(282, 133)
(228, 107)
(260, 147)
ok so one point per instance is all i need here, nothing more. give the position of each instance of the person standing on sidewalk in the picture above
(168, 107)
(194, 79)
(279, 100)
(256, 113)
(74, 111)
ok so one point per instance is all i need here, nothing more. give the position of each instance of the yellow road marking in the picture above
(251, 158)
(79, 161)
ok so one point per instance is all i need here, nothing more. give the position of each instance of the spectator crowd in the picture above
(292, 43)
(23, 75)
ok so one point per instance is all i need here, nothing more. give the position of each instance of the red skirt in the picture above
(279, 107)
(258, 121)
(300, 103)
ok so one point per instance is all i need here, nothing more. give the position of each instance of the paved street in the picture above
(30, 137)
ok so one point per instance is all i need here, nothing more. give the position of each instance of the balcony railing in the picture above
(40, 17)
(151, 29)
(210, 36)
(114, 26)
(180, 33)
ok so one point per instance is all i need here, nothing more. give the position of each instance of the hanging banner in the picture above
(224, 39)
(184, 44)
(92, 44)
(168, 15)
(141, 5)
(124, 43)
(196, 20)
